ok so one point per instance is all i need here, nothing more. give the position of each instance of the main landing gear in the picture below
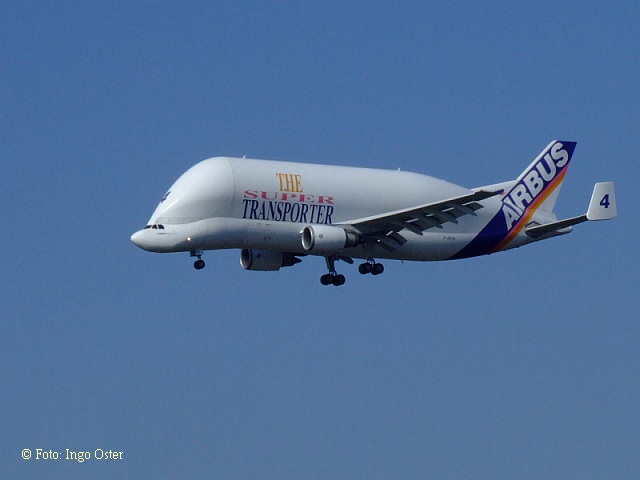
(370, 266)
(332, 278)
(199, 263)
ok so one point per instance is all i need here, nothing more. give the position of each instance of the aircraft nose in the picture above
(140, 239)
(156, 238)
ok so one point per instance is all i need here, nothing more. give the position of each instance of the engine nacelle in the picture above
(328, 239)
(266, 260)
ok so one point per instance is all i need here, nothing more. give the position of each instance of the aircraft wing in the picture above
(384, 228)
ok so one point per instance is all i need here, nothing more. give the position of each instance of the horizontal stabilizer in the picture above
(540, 230)
(601, 207)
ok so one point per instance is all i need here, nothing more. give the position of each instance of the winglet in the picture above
(603, 202)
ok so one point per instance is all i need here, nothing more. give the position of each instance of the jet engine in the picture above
(266, 260)
(328, 239)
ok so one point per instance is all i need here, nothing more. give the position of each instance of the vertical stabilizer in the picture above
(536, 188)
(603, 202)
(538, 185)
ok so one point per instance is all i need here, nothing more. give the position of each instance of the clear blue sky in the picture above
(519, 365)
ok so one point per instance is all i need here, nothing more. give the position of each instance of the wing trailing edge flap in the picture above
(385, 229)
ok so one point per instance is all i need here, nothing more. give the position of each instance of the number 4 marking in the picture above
(605, 201)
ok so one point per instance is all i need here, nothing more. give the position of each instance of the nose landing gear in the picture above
(199, 263)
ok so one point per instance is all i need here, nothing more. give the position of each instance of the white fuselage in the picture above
(276, 212)
(226, 202)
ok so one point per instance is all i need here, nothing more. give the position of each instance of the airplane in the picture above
(277, 212)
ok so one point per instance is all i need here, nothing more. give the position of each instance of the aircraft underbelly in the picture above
(438, 244)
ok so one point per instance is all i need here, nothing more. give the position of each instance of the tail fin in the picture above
(538, 186)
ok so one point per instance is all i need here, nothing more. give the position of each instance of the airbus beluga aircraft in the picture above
(277, 212)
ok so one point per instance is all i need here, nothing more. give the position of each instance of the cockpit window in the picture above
(155, 226)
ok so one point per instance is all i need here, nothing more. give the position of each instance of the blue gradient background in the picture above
(522, 364)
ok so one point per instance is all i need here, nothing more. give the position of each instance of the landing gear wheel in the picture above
(332, 278)
(371, 267)
(198, 264)
(365, 268)
(339, 280)
(326, 279)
